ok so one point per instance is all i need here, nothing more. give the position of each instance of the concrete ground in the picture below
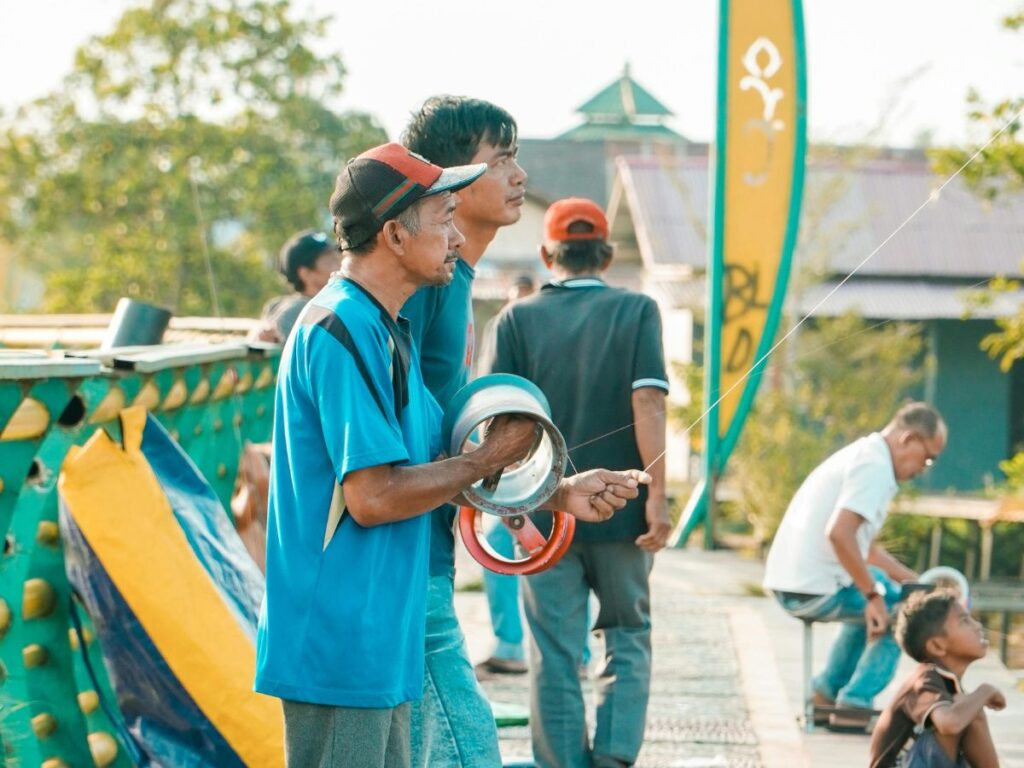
(727, 679)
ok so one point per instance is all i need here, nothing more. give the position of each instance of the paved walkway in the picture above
(727, 675)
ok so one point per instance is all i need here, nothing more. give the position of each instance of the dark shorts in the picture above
(317, 736)
(927, 753)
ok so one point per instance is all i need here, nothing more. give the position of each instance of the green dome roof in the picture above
(623, 100)
(621, 131)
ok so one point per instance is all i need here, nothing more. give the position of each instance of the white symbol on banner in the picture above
(762, 62)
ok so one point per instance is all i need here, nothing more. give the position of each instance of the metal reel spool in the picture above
(523, 487)
(541, 553)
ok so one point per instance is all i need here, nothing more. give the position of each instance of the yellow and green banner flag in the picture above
(757, 177)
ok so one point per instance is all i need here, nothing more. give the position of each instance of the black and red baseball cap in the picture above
(382, 182)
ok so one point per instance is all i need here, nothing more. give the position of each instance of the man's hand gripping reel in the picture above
(514, 492)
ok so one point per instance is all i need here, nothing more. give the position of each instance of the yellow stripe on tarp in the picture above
(116, 501)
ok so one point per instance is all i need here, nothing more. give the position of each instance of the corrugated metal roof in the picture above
(585, 166)
(560, 169)
(871, 299)
(668, 201)
(847, 214)
(904, 300)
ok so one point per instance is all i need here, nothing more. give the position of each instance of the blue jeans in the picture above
(926, 752)
(453, 724)
(503, 599)
(856, 671)
(556, 608)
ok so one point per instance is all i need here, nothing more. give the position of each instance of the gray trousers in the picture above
(318, 736)
(556, 609)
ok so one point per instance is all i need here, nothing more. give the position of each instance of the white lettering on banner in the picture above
(757, 79)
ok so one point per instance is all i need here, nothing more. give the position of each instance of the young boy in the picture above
(948, 725)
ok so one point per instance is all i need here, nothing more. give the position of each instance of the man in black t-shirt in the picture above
(596, 353)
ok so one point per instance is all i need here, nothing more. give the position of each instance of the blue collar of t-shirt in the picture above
(401, 345)
(577, 282)
(461, 262)
(401, 326)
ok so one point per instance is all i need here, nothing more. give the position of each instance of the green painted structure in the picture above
(980, 403)
(212, 399)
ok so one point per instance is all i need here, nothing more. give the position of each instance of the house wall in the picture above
(516, 245)
(974, 397)
(677, 324)
(677, 332)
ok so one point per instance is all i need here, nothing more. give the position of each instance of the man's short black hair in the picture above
(448, 130)
(302, 250)
(524, 280)
(409, 218)
(581, 256)
(922, 617)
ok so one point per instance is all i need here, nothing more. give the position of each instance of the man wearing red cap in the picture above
(341, 631)
(609, 403)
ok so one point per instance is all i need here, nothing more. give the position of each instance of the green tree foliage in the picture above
(997, 170)
(194, 127)
(1000, 167)
(832, 382)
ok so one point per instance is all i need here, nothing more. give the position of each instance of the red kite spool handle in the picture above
(542, 553)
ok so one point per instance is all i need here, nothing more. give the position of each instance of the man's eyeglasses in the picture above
(929, 457)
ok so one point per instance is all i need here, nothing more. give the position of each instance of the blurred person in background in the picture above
(307, 261)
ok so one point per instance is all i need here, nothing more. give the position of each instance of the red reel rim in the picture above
(550, 553)
(566, 527)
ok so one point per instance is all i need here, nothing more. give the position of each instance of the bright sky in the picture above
(542, 58)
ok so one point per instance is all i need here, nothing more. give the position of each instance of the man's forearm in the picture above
(842, 535)
(896, 570)
(849, 557)
(397, 493)
(649, 426)
(955, 718)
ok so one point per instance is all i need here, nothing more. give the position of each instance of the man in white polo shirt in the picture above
(826, 564)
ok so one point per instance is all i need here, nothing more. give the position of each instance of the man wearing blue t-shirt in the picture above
(453, 725)
(341, 631)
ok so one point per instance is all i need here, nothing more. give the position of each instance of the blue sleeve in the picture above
(350, 382)
(649, 360)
